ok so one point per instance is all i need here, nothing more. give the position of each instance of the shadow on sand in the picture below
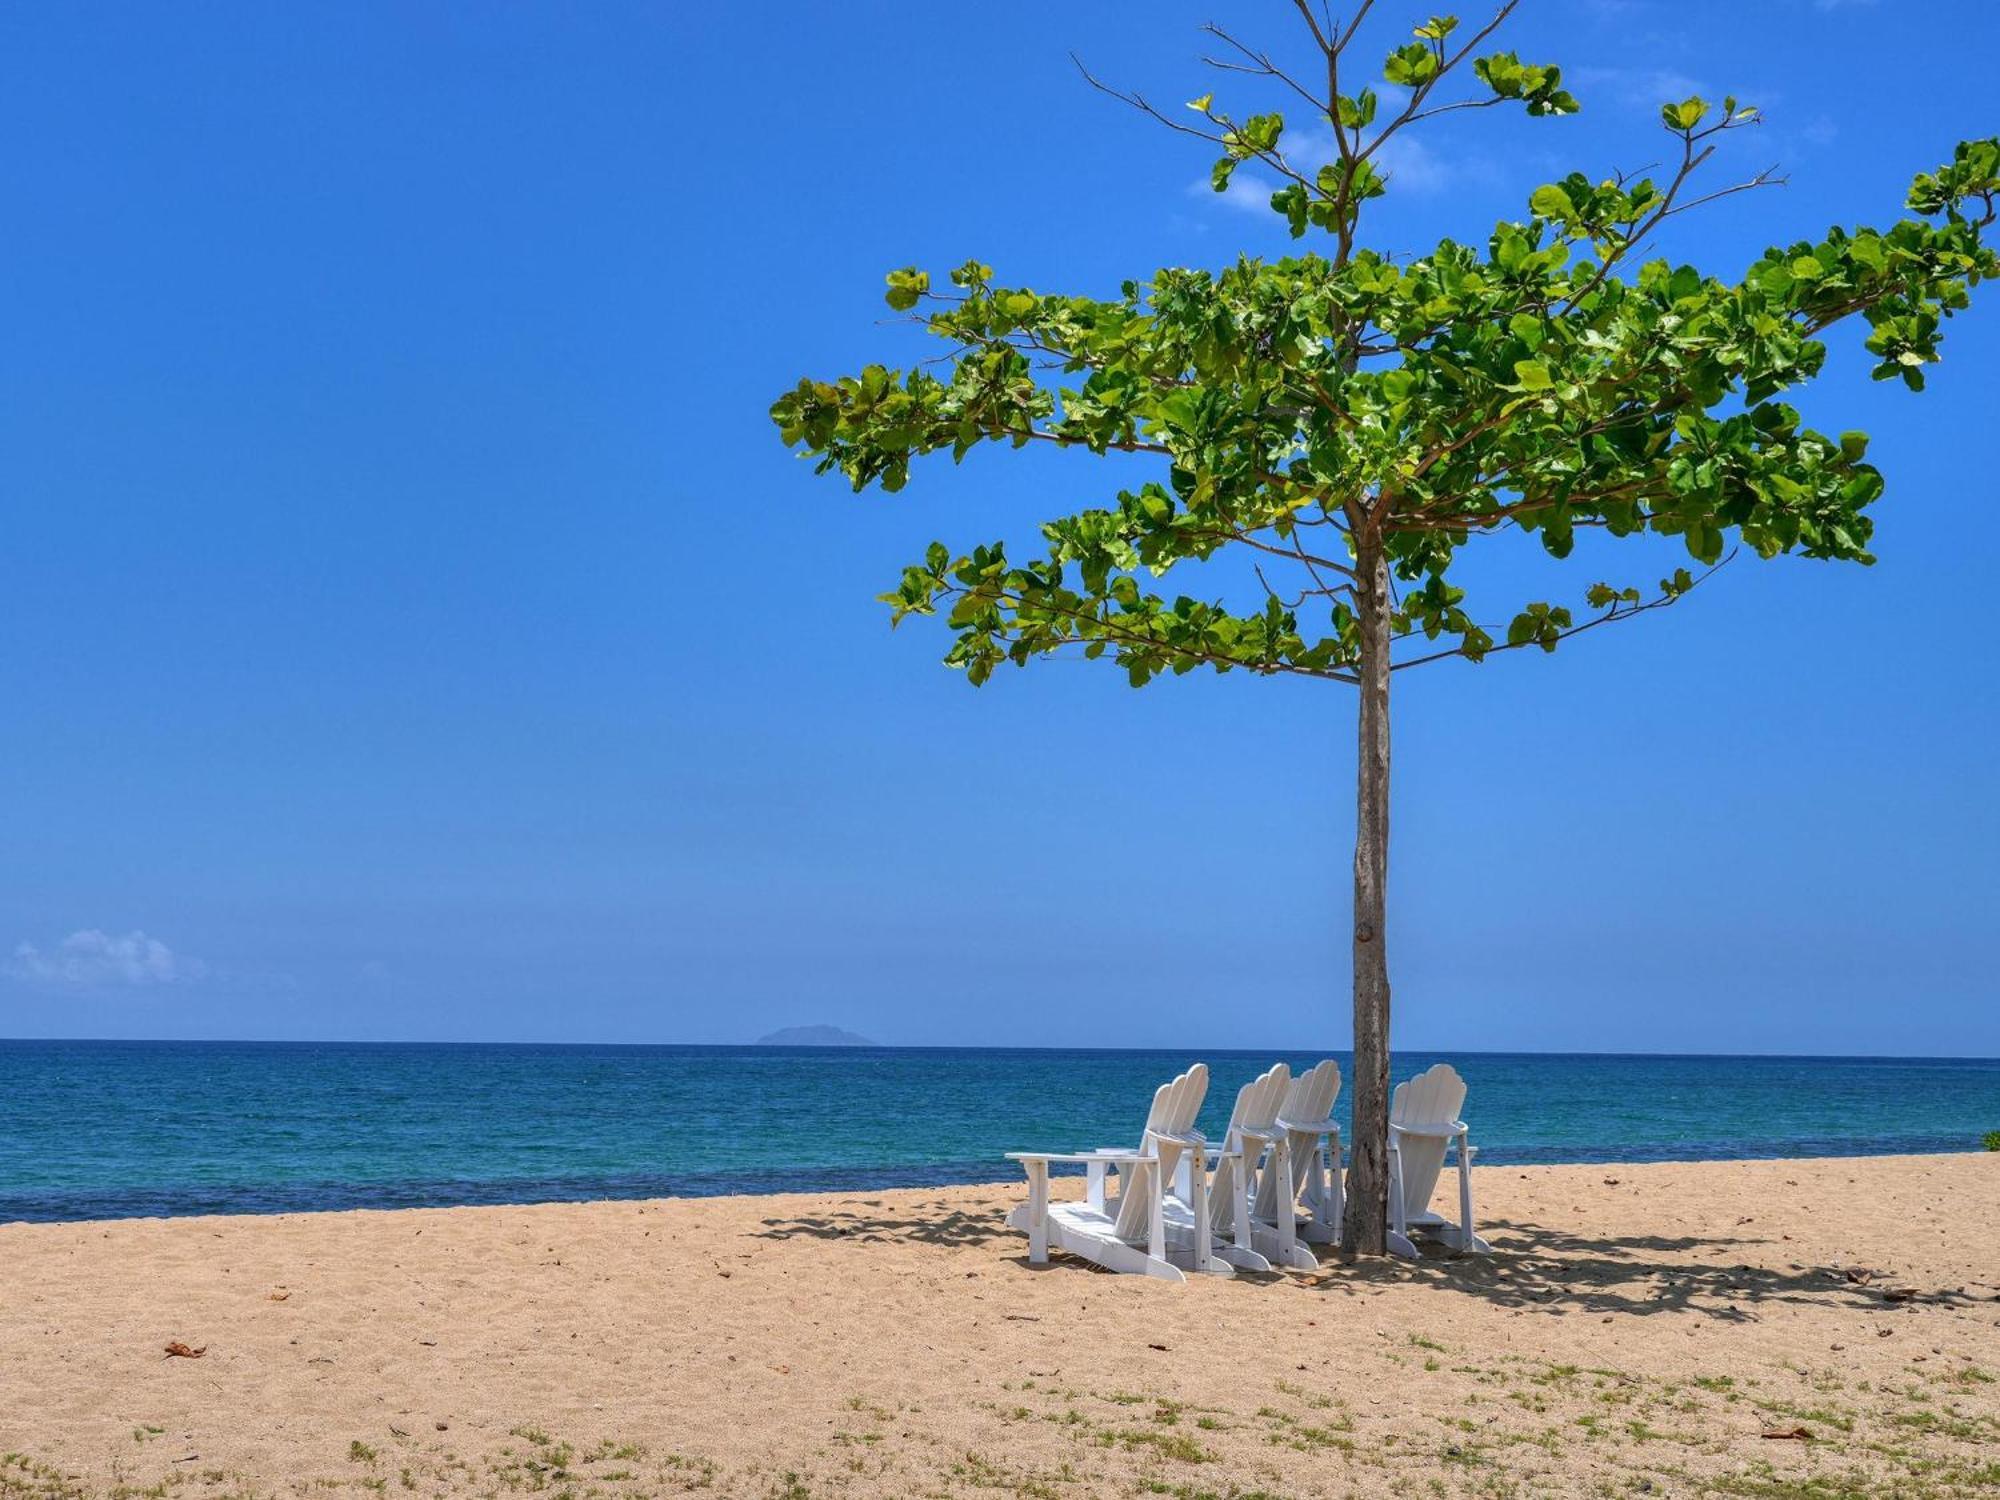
(1533, 1267)
(872, 1222)
(1560, 1271)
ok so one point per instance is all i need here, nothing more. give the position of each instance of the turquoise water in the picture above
(114, 1129)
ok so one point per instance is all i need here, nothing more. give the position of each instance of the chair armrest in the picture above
(1194, 1140)
(1432, 1130)
(1080, 1156)
(1310, 1127)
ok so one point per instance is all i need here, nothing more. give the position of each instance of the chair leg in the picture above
(1337, 1209)
(1093, 1191)
(1399, 1239)
(1469, 1242)
(1038, 1213)
(1198, 1205)
(1156, 1228)
(1241, 1194)
(1280, 1166)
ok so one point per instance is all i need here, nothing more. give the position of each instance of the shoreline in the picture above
(875, 1180)
(1636, 1325)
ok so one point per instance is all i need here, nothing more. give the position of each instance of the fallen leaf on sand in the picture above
(178, 1350)
(1790, 1434)
(278, 1297)
(1860, 1277)
(1161, 1347)
(1899, 1294)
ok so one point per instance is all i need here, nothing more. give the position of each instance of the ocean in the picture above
(93, 1130)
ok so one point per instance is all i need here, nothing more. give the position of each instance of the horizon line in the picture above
(838, 1047)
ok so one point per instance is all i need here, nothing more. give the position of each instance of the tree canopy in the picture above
(1545, 380)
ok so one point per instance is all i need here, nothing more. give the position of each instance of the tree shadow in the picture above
(871, 1222)
(1560, 1271)
(1533, 1267)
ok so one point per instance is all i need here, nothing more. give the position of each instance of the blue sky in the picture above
(412, 627)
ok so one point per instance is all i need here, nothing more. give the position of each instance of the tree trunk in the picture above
(1368, 1180)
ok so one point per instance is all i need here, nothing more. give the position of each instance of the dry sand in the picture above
(1638, 1331)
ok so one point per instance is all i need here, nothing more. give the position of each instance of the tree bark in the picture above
(1367, 1214)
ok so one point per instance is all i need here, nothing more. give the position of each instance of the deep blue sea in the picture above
(116, 1129)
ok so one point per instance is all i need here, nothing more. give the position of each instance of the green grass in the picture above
(1176, 1445)
(1991, 1140)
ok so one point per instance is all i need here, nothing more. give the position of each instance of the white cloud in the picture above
(92, 959)
(1639, 88)
(1409, 164)
(1247, 193)
(1412, 166)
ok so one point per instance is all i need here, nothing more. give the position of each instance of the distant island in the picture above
(813, 1036)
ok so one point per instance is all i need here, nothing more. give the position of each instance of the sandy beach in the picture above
(1639, 1329)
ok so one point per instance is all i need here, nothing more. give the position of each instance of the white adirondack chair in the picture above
(1423, 1123)
(1307, 1119)
(1144, 1230)
(1253, 1147)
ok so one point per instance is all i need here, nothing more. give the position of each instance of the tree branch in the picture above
(1611, 615)
(1110, 632)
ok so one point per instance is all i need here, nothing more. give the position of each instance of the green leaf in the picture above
(1685, 115)
(1355, 113)
(1531, 375)
(906, 288)
(1551, 202)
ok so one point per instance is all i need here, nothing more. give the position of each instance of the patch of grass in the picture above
(1174, 1445)
(1991, 1140)
(983, 1473)
(1947, 1424)
(359, 1452)
(1300, 1393)
(1465, 1454)
(1762, 1482)
(1307, 1437)
(692, 1471)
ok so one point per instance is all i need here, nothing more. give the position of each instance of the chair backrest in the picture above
(1259, 1101)
(1257, 1105)
(1309, 1099)
(1175, 1106)
(1434, 1097)
(1313, 1093)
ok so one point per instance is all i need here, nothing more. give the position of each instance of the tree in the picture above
(1357, 421)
